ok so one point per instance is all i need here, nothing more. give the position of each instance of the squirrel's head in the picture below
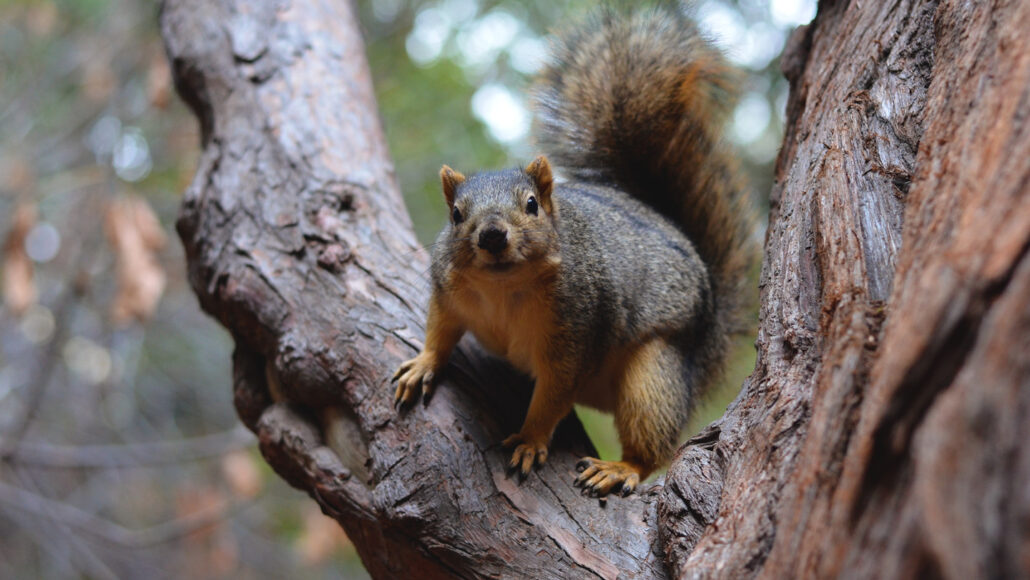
(500, 220)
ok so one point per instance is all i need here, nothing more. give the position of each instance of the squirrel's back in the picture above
(633, 261)
(637, 101)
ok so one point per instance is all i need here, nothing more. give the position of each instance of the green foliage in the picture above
(426, 116)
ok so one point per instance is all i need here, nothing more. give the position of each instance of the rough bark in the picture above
(882, 433)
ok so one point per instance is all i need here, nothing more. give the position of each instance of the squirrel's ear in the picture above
(450, 179)
(540, 172)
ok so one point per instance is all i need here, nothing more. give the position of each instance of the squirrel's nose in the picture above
(493, 239)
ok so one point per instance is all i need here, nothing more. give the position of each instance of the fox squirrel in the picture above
(619, 288)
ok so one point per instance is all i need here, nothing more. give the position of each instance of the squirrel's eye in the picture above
(456, 216)
(531, 205)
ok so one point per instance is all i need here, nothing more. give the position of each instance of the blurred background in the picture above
(120, 452)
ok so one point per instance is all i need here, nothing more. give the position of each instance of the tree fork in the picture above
(882, 432)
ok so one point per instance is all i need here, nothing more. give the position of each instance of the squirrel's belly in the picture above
(514, 328)
(511, 340)
(518, 355)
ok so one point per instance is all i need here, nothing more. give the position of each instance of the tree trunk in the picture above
(880, 433)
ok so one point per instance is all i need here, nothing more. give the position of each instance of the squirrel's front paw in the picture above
(527, 453)
(413, 377)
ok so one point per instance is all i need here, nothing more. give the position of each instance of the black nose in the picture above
(493, 239)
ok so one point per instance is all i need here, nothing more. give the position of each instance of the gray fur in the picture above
(652, 232)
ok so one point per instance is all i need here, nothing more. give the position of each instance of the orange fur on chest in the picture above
(510, 314)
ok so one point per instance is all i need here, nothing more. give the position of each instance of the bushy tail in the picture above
(639, 100)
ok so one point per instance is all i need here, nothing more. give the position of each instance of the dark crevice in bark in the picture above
(926, 380)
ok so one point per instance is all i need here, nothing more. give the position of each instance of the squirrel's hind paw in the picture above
(599, 478)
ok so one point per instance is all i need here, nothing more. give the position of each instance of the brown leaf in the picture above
(223, 556)
(193, 500)
(135, 235)
(41, 17)
(98, 80)
(19, 285)
(159, 80)
(19, 175)
(320, 537)
(209, 551)
(146, 222)
(242, 474)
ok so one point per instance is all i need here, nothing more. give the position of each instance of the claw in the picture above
(599, 478)
(528, 460)
(413, 377)
(586, 474)
(526, 455)
(402, 369)
(630, 485)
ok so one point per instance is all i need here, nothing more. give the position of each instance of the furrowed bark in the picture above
(883, 432)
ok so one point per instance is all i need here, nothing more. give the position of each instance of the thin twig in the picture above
(130, 454)
(21, 499)
(48, 532)
(37, 386)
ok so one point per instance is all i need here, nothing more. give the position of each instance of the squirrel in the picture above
(619, 288)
